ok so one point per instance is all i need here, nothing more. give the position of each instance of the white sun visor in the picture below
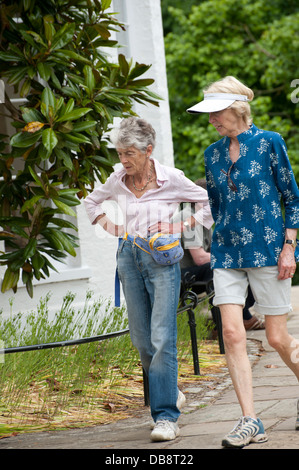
(213, 102)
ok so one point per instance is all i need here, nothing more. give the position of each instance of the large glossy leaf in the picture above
(9, 57)
(35, 177)
(78, 138)
(84, 126)
(44, 70)
(73, 115)
(31, 114)
(24, 139)
(63, 36)
(65, 241)
(106, 4)
(64, 207)
(37, 37)
(143, 82)
(89, 78)
(10, 279)
(124, 66)
(65, 54)
(30, 203)
(49, 139)
(138, 70)
(48, 103)
(30, 249)
(16, 74)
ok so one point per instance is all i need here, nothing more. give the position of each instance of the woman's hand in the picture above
(177, 227)
(110, 227)
(164, 227)
(286, 263)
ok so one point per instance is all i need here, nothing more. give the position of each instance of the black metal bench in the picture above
(204, 290)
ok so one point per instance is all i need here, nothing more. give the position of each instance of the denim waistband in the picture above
(140, 242)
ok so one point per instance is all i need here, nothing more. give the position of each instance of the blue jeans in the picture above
(152, 294)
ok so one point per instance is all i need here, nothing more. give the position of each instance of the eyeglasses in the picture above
(230, 182)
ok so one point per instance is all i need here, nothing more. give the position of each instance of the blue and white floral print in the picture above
(249, 223)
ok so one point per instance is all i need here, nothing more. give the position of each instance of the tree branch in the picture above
(252, 38)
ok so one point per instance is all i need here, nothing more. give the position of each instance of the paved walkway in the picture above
(275, 392)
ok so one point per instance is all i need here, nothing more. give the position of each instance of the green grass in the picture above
(74, 385)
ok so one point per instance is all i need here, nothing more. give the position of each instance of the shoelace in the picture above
(243, 421)
(238, 425)
(162, 422)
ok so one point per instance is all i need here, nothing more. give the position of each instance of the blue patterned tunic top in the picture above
(249, 223)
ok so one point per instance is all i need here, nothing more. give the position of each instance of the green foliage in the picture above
(65, 379)
(54, 54)
(257, 42)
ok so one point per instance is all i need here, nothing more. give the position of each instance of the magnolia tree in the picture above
(54, 54)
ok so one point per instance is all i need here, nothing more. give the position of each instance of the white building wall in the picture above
(94, 269)
(146, 45)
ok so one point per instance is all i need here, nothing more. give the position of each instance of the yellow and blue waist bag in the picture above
(166, 249)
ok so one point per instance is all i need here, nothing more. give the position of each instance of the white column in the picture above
(143, 41)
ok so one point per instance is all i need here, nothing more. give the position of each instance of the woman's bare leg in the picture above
(279, 338)
(234, 337)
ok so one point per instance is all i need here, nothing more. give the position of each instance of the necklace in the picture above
(149, 179)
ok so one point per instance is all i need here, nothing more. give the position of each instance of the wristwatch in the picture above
(291, 242)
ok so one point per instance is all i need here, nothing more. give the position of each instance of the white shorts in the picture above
(272, 296)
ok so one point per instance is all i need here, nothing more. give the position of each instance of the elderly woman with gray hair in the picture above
(248, 176)
(148, 194)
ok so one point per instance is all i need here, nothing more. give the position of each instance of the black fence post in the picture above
(146, 388)
(191, 296)
(192, 326)
(218, 322)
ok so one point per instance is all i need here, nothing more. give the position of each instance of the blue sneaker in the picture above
(247, 430)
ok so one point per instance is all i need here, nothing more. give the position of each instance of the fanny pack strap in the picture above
(142, 243)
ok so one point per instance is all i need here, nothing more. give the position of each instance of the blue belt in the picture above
(142, 243)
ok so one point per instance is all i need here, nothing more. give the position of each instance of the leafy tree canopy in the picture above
(257, 42)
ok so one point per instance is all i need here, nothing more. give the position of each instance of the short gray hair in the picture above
(133, 132)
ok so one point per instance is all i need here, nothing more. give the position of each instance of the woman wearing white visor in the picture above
(248, 174)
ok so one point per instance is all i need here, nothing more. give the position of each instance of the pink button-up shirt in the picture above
(155, 205)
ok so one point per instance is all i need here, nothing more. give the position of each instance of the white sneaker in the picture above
(165, 430)
(247, 430)
(179, 403)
